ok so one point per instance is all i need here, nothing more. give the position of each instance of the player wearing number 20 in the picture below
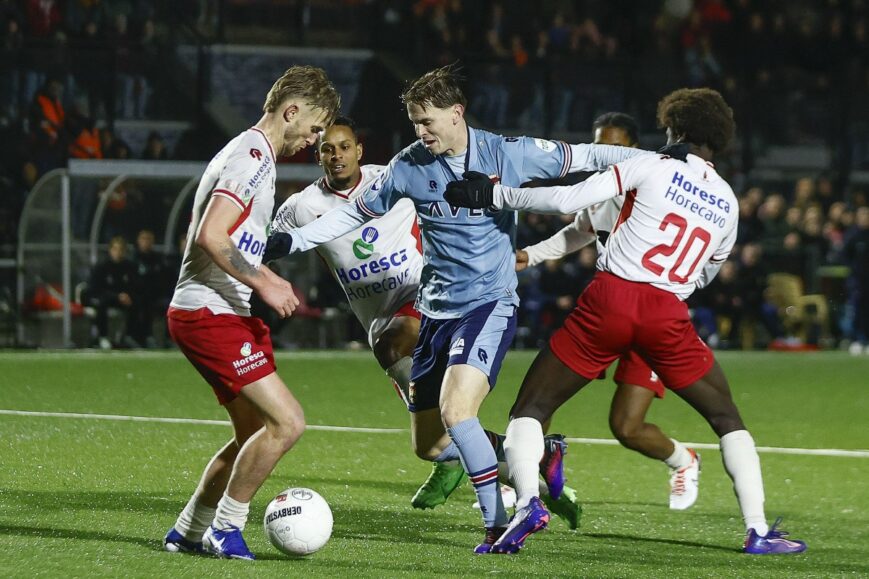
(676, 227)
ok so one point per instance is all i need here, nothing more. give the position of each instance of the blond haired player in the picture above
(209, 316)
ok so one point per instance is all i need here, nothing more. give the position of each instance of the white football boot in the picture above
(684, 484)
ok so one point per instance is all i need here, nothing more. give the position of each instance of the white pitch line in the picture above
(597, 441)
(767, 449)
(197, 421)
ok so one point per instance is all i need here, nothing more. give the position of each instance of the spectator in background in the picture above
(112, 285)
(84, 138)
(84, 143)
(856, 252)
(155, 148)
(48, 125)
(775, 227)
(43, 17)
(751, 289)
(153, 279)
(11, 43)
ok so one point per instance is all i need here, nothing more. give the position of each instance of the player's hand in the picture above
(124, 299)
(521, 259)
(474, 191)
(277, 293)
(278, 245)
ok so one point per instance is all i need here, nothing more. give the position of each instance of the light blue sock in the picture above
(451, 452)
(481, 464)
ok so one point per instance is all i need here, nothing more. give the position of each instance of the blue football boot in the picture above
(773, 543)
(174, 542)
(226, 543)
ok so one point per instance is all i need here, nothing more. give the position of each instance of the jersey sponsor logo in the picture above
(256, 154)
(364, 246)
(263, 169)
(544, 145)
(434, 209)
(372, 267)
(458, 347)
(245, 349)
(247, 244)
(680, 181)
(386, 285)
(250, 362)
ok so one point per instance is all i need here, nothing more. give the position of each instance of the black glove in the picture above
(277, 246)
(475, 191)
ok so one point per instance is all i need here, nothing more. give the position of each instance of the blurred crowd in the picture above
(794, 72)
(797, 278)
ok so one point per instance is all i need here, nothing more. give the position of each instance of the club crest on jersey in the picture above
(245, 349)
(545, 145)
(364, 246)
(458, 347)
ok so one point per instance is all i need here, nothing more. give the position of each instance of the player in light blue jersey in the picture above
(468, 286)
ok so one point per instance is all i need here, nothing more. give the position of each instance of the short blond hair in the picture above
(309, 84)
(440, 88)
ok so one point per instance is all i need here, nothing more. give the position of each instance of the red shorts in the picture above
(632, 369)
(408, 309)
(229, 351)
(614, 316)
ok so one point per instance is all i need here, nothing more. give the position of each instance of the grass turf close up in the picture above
(88, 497)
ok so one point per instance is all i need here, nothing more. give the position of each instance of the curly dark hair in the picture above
(699, 116)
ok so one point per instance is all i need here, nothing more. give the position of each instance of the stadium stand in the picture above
(794, 73)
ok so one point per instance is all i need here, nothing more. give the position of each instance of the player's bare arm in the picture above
(213, 237)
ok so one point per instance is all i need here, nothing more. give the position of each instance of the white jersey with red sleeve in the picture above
(244, 173)
(678, 218)
(676, 226)
(378, 265)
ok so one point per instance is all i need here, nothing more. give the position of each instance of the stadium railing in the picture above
(71, 214)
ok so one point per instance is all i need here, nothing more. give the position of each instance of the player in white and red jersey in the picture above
(636, 384)
(676, 227)
(209, 316)
(377, 266)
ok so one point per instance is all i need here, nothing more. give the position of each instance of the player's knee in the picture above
(426, 451)
(290, 428)
(386, 349)
(725, 423)
(627, 430)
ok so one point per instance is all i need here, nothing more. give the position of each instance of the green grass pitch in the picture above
(81, 497)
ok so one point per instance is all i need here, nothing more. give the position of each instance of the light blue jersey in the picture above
(468, 255)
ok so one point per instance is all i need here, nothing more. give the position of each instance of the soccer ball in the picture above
(298, 522)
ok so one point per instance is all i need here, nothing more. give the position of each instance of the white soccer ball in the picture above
(298, 521)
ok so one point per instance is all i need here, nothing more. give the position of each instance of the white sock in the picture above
(194, 519)
(400, 374)
(743, 465)
(524, 449)
(680, 457)
(230, 512)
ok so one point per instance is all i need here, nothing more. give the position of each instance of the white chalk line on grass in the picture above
(597, 441)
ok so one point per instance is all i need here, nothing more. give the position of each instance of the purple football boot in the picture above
(552, 464)
(527, 520)
(492, 535)
(773, 543)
